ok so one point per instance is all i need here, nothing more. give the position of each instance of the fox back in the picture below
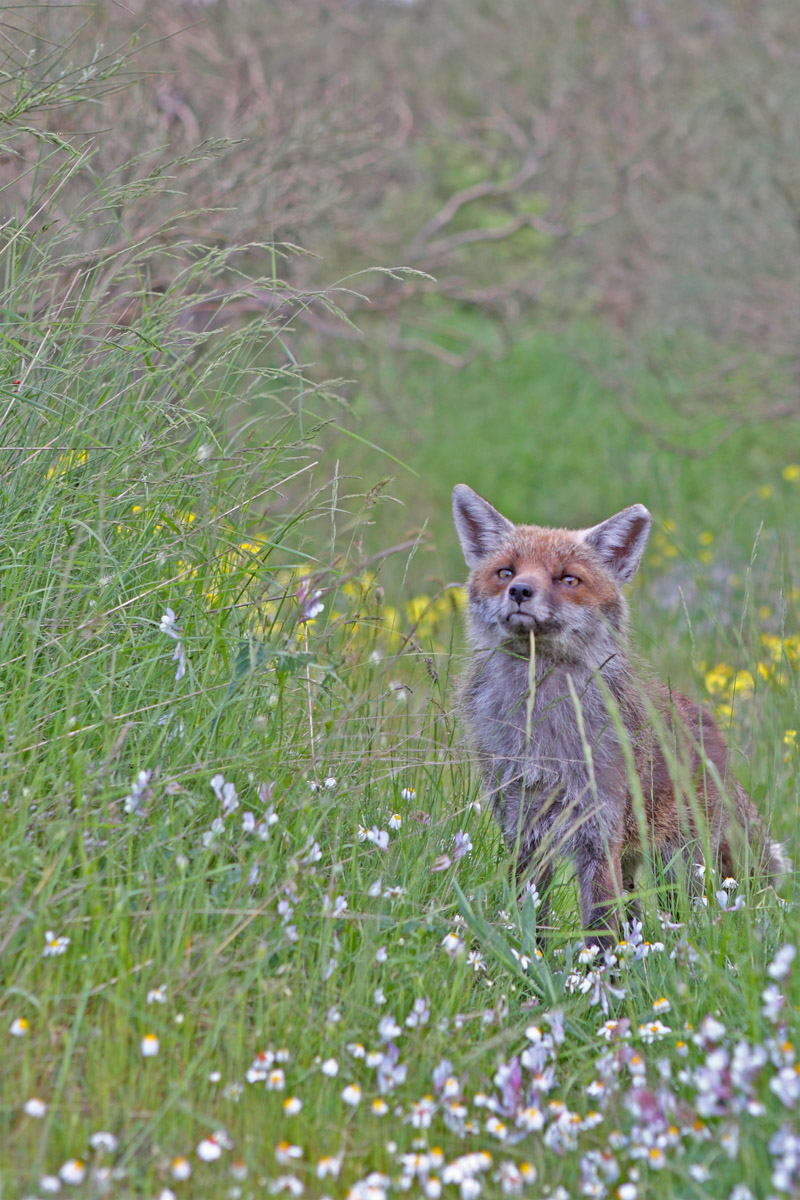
(556, 714)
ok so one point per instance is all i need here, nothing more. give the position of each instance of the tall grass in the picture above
(255, 927)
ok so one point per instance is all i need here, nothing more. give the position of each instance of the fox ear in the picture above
(620, 541)
(480, 527)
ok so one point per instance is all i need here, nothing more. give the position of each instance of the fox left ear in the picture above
(620, 541)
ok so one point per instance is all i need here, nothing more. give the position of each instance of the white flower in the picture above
(168, 625)
(157, 995)
(773, 1002)
(209, 1150)
(452, 943)
(150, 1045)
(653, 1031)
(73, 1171)
(54, 945)
(292, 1106)
(379, 837)
(34, 1107)
(352, 1095)
(19, 1027)
(395, 821)
(180, 1168)
(329, 1165)
(388, 1028)
(780, 965)
(408, 793)
(330, 1067)
(102, 1140)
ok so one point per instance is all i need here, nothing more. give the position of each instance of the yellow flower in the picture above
(717, 678)
(706, 537)
(764, 492)
(791, 473)
(790, 737)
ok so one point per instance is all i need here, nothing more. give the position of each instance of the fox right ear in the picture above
(480, 527)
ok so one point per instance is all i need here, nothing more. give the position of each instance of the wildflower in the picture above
(408, 793)
(329, 1165)
(786, 1086)
(292, 1106)
(150, 1045)
(781, 963)
(226, 794)
(420, 1013)
(773, 1002)
(352, 1095)
(330, 1068)
(209, 1149)
(50, 1183)
(19, 1027)
(475, 960)
(180, 1167)
(285, 1152)
(452, 943)
(73, 1171)
(395, 821)
(381, 955)
(379, 1107)
(379, 996)
(157, 995)
(422, 1113)
(276, 1080)
(34, 1107)
(394, 893)
(388, 1028)
(791, 473)
(168, 624)
(653, 1031)
(53, 945)
(287, 1183)
(442, 862)
(662, 1005)
(723, 900)
(103, 1141)
(378, 837)
(462, 845)
(139, 790)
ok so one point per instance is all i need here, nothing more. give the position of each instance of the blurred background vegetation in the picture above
(596, 207)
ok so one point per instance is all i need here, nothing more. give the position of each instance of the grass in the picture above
(255, 925)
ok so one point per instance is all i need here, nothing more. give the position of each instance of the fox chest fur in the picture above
(552, 762)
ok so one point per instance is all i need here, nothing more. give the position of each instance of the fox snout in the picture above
(526, 606)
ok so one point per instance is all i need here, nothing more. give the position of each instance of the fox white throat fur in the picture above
(572, 741)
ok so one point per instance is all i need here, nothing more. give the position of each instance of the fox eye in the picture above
(570, 580)
(505, 573)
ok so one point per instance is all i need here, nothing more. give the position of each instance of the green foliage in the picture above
(241, 844)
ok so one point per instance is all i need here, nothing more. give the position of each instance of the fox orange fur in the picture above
(561, 737)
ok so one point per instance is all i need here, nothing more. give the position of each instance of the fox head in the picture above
(562, 585)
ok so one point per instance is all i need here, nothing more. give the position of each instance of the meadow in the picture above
(257, 935)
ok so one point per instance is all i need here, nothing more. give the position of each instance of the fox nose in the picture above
(520, 591)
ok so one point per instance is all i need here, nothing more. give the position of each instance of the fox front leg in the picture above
(600, 886)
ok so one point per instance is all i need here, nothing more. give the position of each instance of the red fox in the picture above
(580, 755)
